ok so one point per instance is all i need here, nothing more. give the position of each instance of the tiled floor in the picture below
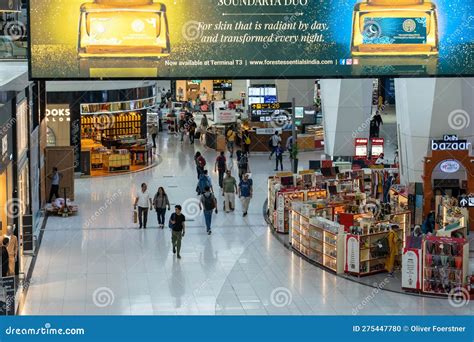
(99, 263)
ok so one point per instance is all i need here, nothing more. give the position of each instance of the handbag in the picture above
(135, 216)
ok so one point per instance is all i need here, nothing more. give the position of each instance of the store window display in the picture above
(12, 249)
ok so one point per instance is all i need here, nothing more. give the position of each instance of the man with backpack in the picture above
(221, 166)
(243, 165)
(209, 203)
(204, 182)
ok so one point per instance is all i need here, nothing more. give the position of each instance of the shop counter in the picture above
(117, 162)
(259, 142)
(306, 142)
(142, 155)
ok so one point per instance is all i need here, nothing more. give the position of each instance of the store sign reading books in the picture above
(229, 39)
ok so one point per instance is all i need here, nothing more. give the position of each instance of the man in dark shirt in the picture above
(177, 221)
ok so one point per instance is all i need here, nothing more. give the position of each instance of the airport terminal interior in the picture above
(159, 176)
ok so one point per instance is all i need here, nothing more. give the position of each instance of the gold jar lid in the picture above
(124, 2)
(395, 2)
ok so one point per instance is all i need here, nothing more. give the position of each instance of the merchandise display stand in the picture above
(366, 245)
(452, 218)
(445, 264)
(317, 237)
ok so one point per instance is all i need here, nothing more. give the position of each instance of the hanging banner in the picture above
(243, 39)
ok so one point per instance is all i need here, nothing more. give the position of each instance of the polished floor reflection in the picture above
(98, 263)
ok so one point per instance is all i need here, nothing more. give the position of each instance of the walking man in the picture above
(243, 165)
(204, 181)
(182, 128)
(192, 130)
(275, 140)
(154, 133)
(230, 190)
(221, 166)
(177, 226)
(245, 192)
(209, 203)
(143, 201)
(279, 157)
(56, 178)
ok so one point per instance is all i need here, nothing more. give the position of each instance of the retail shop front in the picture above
(357, 224)
(107, 136)
(448, 183)
(18, 203)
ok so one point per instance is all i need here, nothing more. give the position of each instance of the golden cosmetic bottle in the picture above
(123, 28)
(395, 27)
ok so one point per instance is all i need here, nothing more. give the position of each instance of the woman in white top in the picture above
(143, 202)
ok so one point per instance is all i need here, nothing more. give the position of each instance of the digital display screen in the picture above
(222, 85)
(299, 112)
(236, 39)
(268, 112)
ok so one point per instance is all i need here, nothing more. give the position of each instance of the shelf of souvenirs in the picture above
(445, 264)
(367, 243)
(452, 218)
(399, 194)
(370, 249)
(318, 238)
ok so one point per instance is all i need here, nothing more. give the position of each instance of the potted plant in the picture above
(294, 157)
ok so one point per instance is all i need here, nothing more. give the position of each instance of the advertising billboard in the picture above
(209, 39)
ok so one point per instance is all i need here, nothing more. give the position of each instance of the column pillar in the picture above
(428, 108)
(347, 108)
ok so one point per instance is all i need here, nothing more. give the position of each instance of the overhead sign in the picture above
(58, 113)
(467, 201)
(81, 39)
(450, 143)
(449, 166)
(271, 112)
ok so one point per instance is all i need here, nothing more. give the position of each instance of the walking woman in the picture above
(204, 126)
(160, 203)
(200, 163)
